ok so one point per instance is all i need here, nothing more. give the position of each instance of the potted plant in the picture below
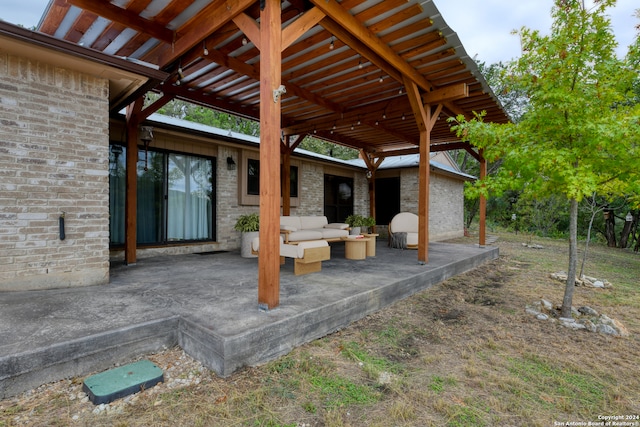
(355, 222)
(369, 222)
(248, 225)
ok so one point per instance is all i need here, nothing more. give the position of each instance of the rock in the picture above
(598, 284)
(546, 305)
(572, 324)
(588, 324)
(385, 378)
(531, 310)
(587, 311)
(606, 329)
(542, 316)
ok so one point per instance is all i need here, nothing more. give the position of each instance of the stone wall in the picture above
(446, 202)
(53, 159)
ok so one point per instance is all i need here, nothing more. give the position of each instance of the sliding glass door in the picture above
(176, 198)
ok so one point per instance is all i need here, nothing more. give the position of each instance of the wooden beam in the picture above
(300, 26)
(155, 106)
(253, 71)
(249, 27)
(131, 200)
(286, 178)
(423, 120)
(336, 12)
(447, 93)
(433, 117)
(270, 75)
(205, 22)
(128, 19)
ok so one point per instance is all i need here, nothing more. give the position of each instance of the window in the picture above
(253, 178)
(175, 197)
(338, 197)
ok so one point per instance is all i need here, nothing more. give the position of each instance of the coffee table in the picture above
(371, 243)
(355, 248)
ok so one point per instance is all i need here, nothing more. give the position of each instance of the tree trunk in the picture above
(610, 228)
(573, 260)
(626, 231)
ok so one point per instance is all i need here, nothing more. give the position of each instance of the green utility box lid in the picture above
(118, 382)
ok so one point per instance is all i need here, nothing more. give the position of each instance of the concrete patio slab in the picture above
(207, 304)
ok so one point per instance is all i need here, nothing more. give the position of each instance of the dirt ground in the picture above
(463, 353)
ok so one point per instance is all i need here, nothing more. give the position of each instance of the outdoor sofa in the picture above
(295, 229)
(307, 256)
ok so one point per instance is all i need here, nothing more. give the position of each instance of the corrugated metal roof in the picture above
(395, 162)
(344, 74)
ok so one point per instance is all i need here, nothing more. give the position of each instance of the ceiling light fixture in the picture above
(244, 41)
(205, 50)
(331, 46)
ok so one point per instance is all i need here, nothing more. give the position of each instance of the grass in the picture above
(463, 353)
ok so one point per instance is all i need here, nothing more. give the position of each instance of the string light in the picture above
(244, 41)
(331, 46)
(205, 50)
(360, 64)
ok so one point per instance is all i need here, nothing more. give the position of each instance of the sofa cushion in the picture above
(337, 225)
(311, 222)
(309, 245)
(412, 239)
(332, 233)
(290, 221)
(302, 235)
(404, 222)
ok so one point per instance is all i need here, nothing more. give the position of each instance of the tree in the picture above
(580, 132)
(330, 149)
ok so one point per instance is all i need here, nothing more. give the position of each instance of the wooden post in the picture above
(422, 115)
(286, 178)
(372, 195)
(423, 191)
(482, 239)
(270, 78)
(131, 201)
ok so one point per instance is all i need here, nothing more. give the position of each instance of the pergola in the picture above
(380, 76)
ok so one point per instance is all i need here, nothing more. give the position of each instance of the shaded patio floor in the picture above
(207, 304)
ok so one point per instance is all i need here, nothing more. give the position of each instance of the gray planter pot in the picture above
(245, 243)
(354, 230)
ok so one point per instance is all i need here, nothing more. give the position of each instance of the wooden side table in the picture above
(355, 248)
(371, 243)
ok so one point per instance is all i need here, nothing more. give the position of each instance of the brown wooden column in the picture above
(482, 239)
(421, 114)
(131, 201)
(270, 78)
(372, 166)
(286, 177)
(423, 192)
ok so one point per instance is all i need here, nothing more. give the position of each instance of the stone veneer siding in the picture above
(53, 159)
(446, 203)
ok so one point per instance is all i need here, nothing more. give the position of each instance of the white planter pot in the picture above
(245, 243)
(354, 230)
